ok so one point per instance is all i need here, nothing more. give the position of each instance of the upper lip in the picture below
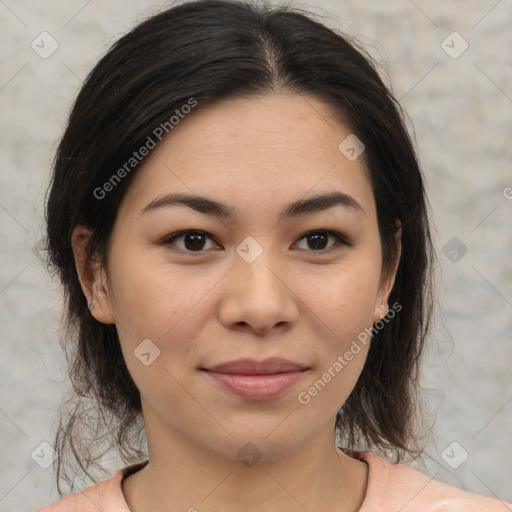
(251, 367)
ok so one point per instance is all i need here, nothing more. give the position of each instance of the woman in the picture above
(238, 218)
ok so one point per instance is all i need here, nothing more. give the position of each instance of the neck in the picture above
(182, 476)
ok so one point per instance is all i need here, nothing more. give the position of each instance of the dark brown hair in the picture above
(213, 50)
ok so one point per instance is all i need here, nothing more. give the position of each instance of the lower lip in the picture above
(256, 387)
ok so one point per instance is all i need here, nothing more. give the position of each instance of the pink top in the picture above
(391, 488)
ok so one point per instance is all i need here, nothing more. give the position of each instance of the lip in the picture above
(253, 380)
(252, 367)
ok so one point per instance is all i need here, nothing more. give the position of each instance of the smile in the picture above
(256, 386)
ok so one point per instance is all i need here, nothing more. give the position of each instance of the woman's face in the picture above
(252, 286)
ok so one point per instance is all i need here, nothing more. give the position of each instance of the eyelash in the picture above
(341, 240)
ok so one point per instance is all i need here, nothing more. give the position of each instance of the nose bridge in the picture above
(257, 294)
(259, 286)
(255, 263)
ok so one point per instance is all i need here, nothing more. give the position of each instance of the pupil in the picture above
(196, 243)
(316, 238)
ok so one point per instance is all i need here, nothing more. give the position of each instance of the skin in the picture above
(296, 301)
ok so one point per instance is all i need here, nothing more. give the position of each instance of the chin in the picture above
(256, 445)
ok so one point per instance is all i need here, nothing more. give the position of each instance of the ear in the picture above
(388, 280)
(92, 277)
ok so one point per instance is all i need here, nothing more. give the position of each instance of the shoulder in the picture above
(400, 487)
(106, 496)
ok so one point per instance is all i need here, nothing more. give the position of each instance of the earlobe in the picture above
(380, 311)
(91, 275)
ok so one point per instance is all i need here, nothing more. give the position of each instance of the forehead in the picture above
(258, 150)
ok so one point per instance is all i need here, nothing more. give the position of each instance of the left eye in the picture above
(319, 238)
(194, 240)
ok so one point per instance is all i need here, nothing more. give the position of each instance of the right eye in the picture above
(193, 240)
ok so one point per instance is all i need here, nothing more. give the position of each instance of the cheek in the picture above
(344, 302)
(163, 307)
(344, 297)
(157, 301)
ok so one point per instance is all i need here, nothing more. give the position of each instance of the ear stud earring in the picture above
(91, 306)
(382, 305)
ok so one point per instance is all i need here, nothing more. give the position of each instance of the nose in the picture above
(259, 296)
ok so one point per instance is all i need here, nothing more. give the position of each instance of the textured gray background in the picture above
(461, 110)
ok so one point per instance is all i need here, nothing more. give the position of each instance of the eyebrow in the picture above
(209, 206)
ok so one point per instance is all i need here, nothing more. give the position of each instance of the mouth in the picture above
(252, 380)
(250, 367)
